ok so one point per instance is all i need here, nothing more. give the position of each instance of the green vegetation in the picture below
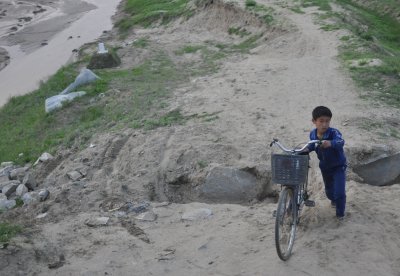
(322, 4)
(141, 43)
(238, 31)
(188, 49)
(19, 202)
(297, 9)
(122, 98)
(146, 12)
(251, 3)
(8, 231)
(202, 164)
(330, 27)
(375, 36)
(266, 13)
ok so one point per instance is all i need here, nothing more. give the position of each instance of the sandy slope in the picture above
(269, 93)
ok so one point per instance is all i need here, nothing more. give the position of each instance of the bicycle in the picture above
(291, 171)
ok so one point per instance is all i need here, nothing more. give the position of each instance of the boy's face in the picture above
(322, 124)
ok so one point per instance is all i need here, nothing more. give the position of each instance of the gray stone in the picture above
(197, 214)
(228, 185)
(3, 197)
(6, 171)
(18, 174)
(9, 189)
(43, 194)
(45, 157)
(29, 181)
(7, 204)
(4, 178)
(383, 171)
(40, 216)
(104, 60)
(21, 190)
(147, 216)
(138, 208)
(96, 222)
(31, 198)
(9, 182)
(74, 175)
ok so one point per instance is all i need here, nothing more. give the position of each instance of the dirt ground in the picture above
(268, 93)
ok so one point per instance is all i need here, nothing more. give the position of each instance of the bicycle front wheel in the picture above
(285, 224)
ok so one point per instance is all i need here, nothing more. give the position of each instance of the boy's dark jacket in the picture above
(333, 157)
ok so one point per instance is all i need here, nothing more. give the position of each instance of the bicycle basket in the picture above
(290, 170)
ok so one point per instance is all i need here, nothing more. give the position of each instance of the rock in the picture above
(6, 164)
(138, 208)
(228, 185)
(120, 214)
(6, 171)
(104, 60)
(96, 222)
(31, 198)
(197, 214)
(9, 189)
(45, 157)
(41, 216)
(21, 190)
(147, 216)
(57, 101)
(3, 196)
(18, 174)
(29, 181)
(7, 204)
(43, 194)
(380, 172)
(4, 178)
(74, 175)
(4, 184)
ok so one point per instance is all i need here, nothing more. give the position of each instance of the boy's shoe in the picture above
(340, 219)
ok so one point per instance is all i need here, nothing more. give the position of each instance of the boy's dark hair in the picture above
(320, 111)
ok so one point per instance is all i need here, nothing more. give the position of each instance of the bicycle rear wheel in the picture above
(285, 224)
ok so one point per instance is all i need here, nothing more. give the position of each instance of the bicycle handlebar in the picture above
(282, 147)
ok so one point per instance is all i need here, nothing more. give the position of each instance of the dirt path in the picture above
(270, 93)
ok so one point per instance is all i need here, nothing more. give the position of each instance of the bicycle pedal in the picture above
(274, 214)
(309, 203)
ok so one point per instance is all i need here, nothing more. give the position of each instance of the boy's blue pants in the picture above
(335, 188)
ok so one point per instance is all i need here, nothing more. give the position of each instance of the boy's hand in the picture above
(326, 144)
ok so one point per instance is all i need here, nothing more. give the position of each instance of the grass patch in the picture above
(321, 4)
(375, 36)
(297, 9)
(247, 44)
(202, 164)
(330, 27)
(147, 12)
(141, 43)
(189, 49)
(119, 98)
(8, 231)
(239, 31)
(266, 13)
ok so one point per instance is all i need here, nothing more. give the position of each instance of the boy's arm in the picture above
(337, 140)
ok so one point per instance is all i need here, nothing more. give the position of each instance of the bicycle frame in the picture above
(298, 198)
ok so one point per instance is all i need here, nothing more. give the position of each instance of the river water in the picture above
(26, 70)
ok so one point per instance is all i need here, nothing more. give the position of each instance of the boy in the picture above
(332, 160)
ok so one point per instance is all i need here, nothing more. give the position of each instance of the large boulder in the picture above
(229, 185)
(380, 172)
(9, 189)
